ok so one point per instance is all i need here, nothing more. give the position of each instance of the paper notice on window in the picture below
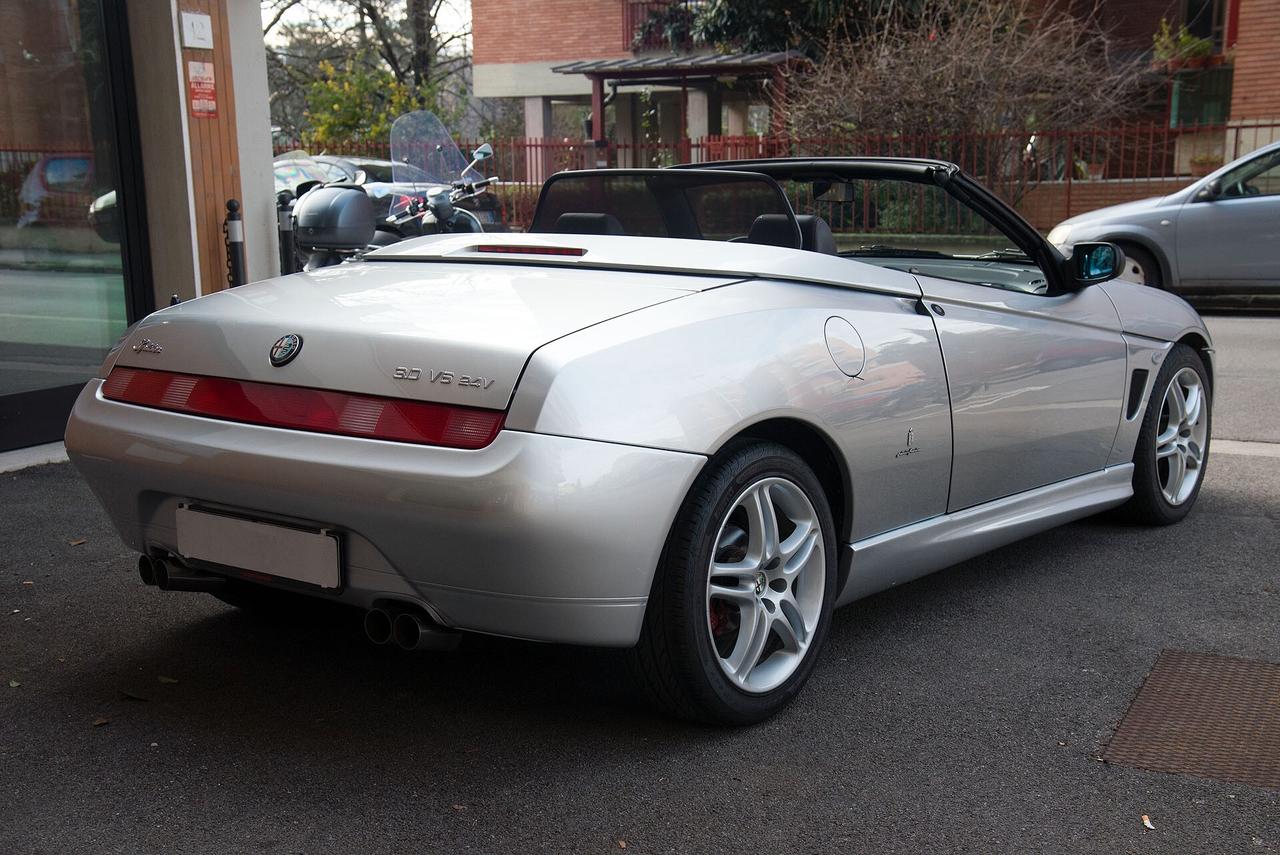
(201, 90)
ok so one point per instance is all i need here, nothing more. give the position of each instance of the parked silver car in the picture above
(678, 418)
(1218, 236)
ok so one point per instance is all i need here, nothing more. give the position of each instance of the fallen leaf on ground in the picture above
(16, 612)
(13, 684)
(458, 808)
(28, 583)
(1146, 820)
(79, 541)
(99, 722)
(130, 696)
(622, 844)
(163, 679)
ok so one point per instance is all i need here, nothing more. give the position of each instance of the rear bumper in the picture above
(534, 536)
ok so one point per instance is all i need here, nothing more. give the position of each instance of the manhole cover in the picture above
(1204, 715)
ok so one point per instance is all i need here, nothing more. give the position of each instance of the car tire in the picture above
(1141, 266)
(705, 657)
(1164, 446)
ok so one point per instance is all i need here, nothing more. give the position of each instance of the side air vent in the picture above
(1137, 386)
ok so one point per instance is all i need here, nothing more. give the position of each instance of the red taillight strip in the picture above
(530, 250)
(298, 408)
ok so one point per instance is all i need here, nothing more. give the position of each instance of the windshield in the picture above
(919, 228)
(424, 152)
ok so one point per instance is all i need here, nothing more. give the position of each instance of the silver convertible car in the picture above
(677, 417)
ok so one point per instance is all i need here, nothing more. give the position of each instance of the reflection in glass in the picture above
(62, 292)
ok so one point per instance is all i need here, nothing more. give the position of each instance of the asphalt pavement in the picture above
(962, 713)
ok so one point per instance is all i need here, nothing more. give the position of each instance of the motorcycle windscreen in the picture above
(424, 153)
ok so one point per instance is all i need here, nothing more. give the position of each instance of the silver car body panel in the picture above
(1144, 356)
(527, 537)
(625, 382)
(658, 255)
(689, 377)
(1036, 385)
(1152, 313)
(895, 557)
(466, 329)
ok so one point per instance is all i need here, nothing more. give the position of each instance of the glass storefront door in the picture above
(65, 287)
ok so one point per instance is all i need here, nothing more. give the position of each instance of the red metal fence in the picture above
(1047, 176)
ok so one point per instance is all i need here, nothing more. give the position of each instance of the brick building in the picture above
(595, 54)
(518, 46)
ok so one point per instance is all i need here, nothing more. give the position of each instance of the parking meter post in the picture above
(284, 228)
(233, 231)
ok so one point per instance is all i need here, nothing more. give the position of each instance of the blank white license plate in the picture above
(290, 553)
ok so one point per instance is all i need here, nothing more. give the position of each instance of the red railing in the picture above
(1047, 176)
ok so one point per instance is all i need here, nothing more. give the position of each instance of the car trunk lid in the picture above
(448, 333)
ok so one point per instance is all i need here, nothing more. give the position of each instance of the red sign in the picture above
(201, 90)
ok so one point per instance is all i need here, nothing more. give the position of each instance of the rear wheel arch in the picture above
(819, 453)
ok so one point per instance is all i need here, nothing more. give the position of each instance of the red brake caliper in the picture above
(719, 614)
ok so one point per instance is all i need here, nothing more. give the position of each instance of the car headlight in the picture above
(1060, 235)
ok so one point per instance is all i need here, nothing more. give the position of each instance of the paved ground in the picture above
(962, 713)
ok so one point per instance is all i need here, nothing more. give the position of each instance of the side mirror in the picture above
(1092, 263)
(362, 177)
(832, 191)
(480, 155)
(104, 218)
(1210, 191)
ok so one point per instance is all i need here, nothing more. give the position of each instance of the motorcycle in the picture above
(430, 181)
(422, 152)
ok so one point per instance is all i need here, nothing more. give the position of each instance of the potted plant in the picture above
(1203, 164)
(1174, 50)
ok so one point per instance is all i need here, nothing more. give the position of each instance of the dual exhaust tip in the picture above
(158, 572)
(409, 630)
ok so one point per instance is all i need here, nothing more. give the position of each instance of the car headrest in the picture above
(774, 230)
(815, 234)
(588, 224)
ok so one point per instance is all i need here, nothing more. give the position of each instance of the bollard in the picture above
(284, 226)
(233, 233)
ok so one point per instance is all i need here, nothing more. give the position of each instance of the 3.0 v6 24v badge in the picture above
(444, 378)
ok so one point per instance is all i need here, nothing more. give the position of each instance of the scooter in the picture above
(335, 222)
(437, 212)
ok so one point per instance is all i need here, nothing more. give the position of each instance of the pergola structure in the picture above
(679, 70)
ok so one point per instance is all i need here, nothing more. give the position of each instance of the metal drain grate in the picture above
(1204, 715)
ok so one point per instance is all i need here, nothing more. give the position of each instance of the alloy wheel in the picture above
(1181, 436)
(765, 584)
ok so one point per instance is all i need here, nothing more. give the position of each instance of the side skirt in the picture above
(907, 553)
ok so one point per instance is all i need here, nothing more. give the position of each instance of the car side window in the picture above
(922, 229)
(1258, 177)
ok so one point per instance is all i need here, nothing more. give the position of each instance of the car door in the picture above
(1231, 241)
(1036, 385)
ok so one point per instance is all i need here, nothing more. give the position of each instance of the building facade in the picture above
(519, 46)
(125, 126)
